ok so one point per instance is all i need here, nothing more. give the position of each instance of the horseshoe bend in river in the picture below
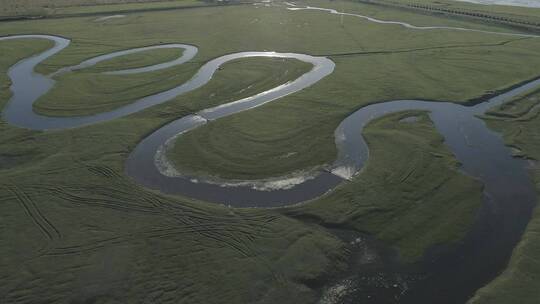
(509, 195)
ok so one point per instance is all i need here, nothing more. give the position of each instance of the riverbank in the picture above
(519, 122)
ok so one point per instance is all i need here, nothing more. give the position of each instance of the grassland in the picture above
(137, 60)
(45, 8)
(91, 91)
(95, 92)
(74, 228)
(514, 12)
(243, 78)
(395, 199)
(519, 122)
(454, 71)
(401, 51)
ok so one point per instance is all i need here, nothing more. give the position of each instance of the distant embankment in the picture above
(483, 16)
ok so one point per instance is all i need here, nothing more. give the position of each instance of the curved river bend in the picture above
(509, 193)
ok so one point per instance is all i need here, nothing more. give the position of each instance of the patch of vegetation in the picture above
(209, 151)
(136, 60)
(521, 280)
(10, 8)
(90, 91)
(518, 107)
(411, 204)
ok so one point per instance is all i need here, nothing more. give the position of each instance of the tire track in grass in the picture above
(47, 228)
(110, 203)
(150, 234)
(233, 233)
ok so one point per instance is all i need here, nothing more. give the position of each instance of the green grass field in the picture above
(14, 8)
(74, 228)
(137, 60)
(452, 72)
(514, 12)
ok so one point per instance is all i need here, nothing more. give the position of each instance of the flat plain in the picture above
(75, 229)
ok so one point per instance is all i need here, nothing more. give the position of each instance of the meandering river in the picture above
(509, 195)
